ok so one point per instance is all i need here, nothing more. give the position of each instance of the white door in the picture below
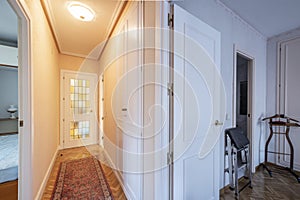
(78, 109)
(123, 104)
(132, 105)
(197, 105)
(289, 96)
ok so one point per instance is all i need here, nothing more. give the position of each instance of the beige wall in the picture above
(45, 83)
(73, 63)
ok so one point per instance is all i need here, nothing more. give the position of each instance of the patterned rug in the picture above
(81, 179)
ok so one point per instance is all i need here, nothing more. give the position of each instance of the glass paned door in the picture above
(79, 116)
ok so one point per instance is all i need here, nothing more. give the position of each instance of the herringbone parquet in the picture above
(282, 186)
(83, 152)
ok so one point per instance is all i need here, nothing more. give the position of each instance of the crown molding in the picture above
(239, 18)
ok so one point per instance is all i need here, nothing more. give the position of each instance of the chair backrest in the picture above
(237, 137)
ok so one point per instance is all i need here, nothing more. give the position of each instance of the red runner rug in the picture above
(81, 179)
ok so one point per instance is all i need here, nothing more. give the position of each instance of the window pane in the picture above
(79, 96)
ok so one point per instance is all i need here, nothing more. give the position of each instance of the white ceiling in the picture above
(76, 37)
(8, 24)
(269, 17)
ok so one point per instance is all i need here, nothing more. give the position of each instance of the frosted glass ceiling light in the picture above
(81, 12)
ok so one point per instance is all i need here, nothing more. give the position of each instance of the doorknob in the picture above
(218, 123)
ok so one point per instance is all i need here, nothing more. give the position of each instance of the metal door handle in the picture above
(218, 123)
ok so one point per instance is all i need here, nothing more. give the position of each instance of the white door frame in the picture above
(25, 100)
(101, 109)
(62, 104)
(251, 95)
(206, 153)
(281, 102)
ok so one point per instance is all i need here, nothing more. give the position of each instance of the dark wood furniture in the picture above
(284, 122)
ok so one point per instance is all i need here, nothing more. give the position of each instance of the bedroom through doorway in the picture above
(9, 102)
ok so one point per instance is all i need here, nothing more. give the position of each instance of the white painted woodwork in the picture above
(194, 177)
(123, 101)
(94, 32)
(69, 116)
(289, 96)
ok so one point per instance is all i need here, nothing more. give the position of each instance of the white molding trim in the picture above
(40, 192)
(237, 50)
(282, 37)
(117, 173)
(88, 56)
(62, 106)
(112, 21)
(26, 133)
(61, 111)
(239, 18)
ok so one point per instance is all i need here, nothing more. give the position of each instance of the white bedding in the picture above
(9, 157)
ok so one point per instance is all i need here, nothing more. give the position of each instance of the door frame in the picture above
(281, 105)
(62, 105)
(101, 109)
(251, 95)
(25, 92)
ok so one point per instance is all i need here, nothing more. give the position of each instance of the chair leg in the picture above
(236, 172)
(230, 165)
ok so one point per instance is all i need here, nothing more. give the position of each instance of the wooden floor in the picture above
(82, 152)
(282, 186)
(9, 190)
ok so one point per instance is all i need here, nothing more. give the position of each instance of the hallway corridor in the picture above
(83, 152)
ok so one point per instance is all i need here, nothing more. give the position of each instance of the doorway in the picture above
(9, 102)
(79, 109)
(195, 103)
(243, 94)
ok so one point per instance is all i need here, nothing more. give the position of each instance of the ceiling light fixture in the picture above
(81, 11)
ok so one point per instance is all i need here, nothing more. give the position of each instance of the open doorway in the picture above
(243, 94)
(9, 102)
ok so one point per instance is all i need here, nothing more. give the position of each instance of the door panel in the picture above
(79, 109)
(290, 94)
(123, 103)
(132, 106)
(194, 177)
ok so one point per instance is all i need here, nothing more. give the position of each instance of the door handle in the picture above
(218, 123)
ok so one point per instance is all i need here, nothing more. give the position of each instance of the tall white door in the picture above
(289, 97)
(124, 98)
(132, 105)
(78, 109)
(197, 110)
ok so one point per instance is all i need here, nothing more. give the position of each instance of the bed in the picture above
(9, 152)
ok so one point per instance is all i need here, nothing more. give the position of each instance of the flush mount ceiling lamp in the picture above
(81, 11)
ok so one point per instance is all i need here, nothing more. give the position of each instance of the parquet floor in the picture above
(82, 152)
(282, 186)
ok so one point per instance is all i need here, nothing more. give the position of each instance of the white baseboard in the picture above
(39, 194)
(118, 174)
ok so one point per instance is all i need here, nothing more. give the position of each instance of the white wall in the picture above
(8, 79)
(272, 66)
(235, 31)
(45, 76)
(8, 90)
(8, 55)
